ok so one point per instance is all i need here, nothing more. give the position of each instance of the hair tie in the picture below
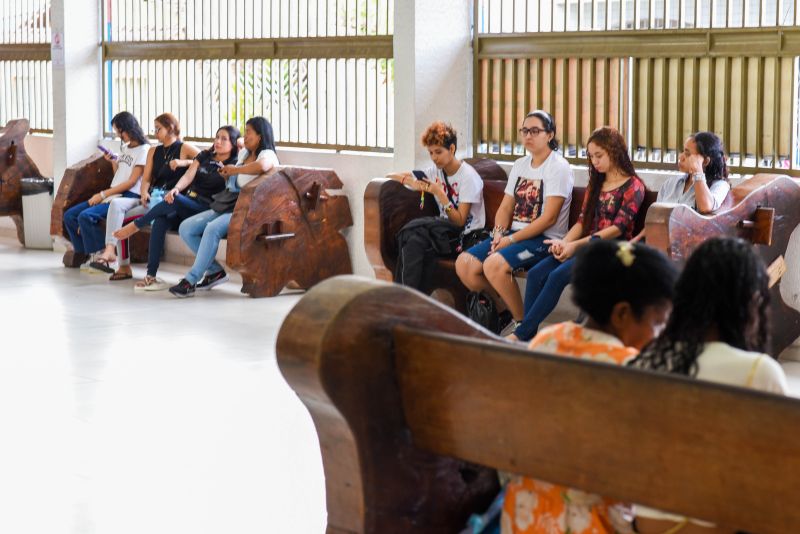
(625, 253)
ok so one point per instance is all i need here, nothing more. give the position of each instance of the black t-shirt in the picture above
(162, 176)
(208, 181)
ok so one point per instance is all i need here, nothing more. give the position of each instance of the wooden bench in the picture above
(286, 226)
(762, 209)
(415, 407)
(388, 206)
(15, 164)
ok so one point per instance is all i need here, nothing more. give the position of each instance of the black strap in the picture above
(447, 189)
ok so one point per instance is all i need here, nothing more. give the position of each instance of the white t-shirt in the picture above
(719, 362)
(465, 186)
(672, 191)
(529, 187)
(127, 160)
(243, 179)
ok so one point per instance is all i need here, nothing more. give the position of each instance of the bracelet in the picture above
(449, 207)
(103, 194)
(699, 177)
(511, 238)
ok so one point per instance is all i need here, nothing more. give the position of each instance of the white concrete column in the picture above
(433, 75)
(77, 82)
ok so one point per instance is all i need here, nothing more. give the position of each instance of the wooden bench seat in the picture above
(15, 164)
(415, 407)
(286, 226)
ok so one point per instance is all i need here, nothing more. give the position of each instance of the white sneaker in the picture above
(87, 267)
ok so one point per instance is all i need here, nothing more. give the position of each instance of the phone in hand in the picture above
(106, 151)
(419, 175)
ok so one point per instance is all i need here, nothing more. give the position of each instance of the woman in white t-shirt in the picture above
(718, 331)
(203, 232)
(535, 207)
(458, 190)
(128, 166)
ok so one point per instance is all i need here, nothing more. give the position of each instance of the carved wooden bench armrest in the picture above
(15, 164)
(286, 227)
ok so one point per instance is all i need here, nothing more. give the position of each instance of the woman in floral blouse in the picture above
(609, 210)
(625, 289)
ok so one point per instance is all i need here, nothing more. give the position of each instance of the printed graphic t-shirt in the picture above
(128, 159)
(465, 186)
(530, 187)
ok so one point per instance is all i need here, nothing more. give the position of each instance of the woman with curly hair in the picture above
(458, 191)
(612, 200)
(718, 331)
(704, 183)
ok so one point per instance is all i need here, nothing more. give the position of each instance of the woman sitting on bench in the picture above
(128, 167)
(203, 232)
(166, 163)
(704, 184)
(457, 189)
(718, 331)
(535, 208)
(625, 290)
(610, 205)
(189, 196)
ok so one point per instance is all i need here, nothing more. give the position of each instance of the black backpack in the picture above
(481, 309)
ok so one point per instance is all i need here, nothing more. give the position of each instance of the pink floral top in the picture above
(617, 207)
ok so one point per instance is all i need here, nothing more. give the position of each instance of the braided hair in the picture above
(724, 290)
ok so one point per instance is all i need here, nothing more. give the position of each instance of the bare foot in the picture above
(126, 231)
(108, 255)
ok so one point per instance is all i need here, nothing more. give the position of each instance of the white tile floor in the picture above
(142, 413)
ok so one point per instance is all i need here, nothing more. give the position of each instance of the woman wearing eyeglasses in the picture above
(535, 207)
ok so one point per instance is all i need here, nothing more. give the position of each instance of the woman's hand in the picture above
(228, 170)
(567, 251)
(501, 243)
(96, 199)
(695, 163)
(436, 189)
(109, 156)
(170, 196)
(497, 236)
(556, 246)
(174, 164)
(144, 197)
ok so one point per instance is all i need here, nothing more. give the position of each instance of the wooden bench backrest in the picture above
(15, 164)
(405, 394)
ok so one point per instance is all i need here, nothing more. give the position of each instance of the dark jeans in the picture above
(164, 217)
(546, 281)
(87, 219)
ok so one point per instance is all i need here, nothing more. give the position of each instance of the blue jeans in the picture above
(546, 281)
(202, 233)
(165, 216)
(87, 219)
(519, 255)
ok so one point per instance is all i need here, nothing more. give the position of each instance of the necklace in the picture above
(168, 154)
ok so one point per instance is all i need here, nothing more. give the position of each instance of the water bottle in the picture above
(156, 196)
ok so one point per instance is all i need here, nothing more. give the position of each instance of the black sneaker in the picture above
(211, 280)
(183, 289)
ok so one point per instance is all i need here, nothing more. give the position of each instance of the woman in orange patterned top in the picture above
(625, 289)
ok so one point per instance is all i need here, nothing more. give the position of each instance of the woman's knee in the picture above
(496, 266)
(218, 227)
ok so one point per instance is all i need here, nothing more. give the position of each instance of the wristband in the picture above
(511, 238)
(103, 194)
(699, 177)
(449, 207)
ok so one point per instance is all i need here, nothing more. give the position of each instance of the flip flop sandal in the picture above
(101, 264)
(120, 276)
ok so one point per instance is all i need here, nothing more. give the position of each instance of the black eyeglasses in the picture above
(532, 131)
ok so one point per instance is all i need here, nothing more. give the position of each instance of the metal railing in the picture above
(656, 86)
(25, 68)
(320, 71)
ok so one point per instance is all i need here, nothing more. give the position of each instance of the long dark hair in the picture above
(709, 145)
(607, 272)
(722, 289)
(264, 129)
(548, 123)
(125, 122)
(610, 140)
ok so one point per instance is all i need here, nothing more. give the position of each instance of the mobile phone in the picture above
(419, 175)
(104, 150)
